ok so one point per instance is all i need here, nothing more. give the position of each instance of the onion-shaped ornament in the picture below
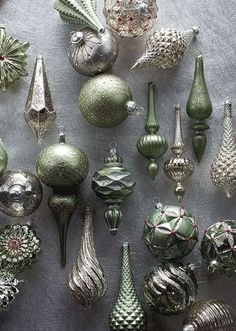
(170, 232)
(92, 52)
(113, 183)
(210, 315)
(62, 167)
(130, 18)
(87, 282)
(12, 59)
(8, 289)
(151, 145)
(165, 48)
(178, 168)
(106, 101)
(170, 288)
(128, 313)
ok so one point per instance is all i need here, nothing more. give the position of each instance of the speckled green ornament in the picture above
(170, 232)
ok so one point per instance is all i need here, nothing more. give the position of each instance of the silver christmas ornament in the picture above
(223, 168)
(87, 283)
(8, 289)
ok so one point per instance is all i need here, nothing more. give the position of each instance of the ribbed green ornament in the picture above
(128, 313)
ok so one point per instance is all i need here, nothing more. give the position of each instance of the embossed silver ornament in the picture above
(8, 289)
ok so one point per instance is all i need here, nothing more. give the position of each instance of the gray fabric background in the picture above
(44, 303)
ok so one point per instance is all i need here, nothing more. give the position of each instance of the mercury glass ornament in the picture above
(12, 59)
(151, 145)
(39, 112)
(3, 158)
(223, 168)
(128, 313)
(62, 167)
(170, 288)
(165, 48)
(106, 101)
(8, 289)
(170, 232)
(210, 315)
(199, 108)
(178, 168)
(130, 18)
(87, 283)
(92, 52)
(218, 247)
(114, 184)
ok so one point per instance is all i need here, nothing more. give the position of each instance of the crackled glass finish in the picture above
(8, 289)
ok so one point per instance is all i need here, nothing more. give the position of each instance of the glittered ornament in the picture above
(199, 108)
(170, 288)
(130, 18)
(39, 112)
(218, 247)
(128, 313)
(8, 289)
(210, 315)
(223, 168)
(165, 48)
(151, 145)
(87, 283)
(170, 232)
(178, 168)
(113, 183)
(106, 101)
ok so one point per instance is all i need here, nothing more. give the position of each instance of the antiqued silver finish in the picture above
(8, 289)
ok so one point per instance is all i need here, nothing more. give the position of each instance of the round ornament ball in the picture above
(170, 232)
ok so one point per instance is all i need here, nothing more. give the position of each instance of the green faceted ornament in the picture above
(128, 313)
(12, 59)
(113, 183)
(199, 108)
(152, 146)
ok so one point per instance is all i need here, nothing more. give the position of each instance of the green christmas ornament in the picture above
(199, 108)
(62, 167)
(151, 145)
(170, 232)
(113, 183)
(128, 313)
(12, 59)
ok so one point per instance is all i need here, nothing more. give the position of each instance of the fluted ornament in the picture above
(151, 145)
(87, 283)
(170, 288)
(127, 313)
(113, 183)
(199, 108)
(223, 168)
(8, 289)
(165, 48)
(39, 112)
(12, 59)
(210, 315)
(178, 168)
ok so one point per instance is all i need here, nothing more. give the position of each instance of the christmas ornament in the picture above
(8, 289)
(113, 183)
(223, 168)
(20, 193)
(62, 167)
(106, 101)
(12, 59)
(165, 48)
(210, 315)
(87, 283)
(170, 232)
(130, 18)
(128, 313)
(79, 12)
(3, 158)
(218, 246)
(151, 145)
(92, 52)
(39, 112)
(199, 108)
(178, 168)
(170, 288)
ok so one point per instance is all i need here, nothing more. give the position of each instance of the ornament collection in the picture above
(170, 232)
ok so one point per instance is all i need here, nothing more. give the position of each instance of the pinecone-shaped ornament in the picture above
(128, 313)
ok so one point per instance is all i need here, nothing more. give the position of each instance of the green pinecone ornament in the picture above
(128, 313)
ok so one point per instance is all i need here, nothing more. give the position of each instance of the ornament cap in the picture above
(77, 37)
(62, 135)
(113, 158)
